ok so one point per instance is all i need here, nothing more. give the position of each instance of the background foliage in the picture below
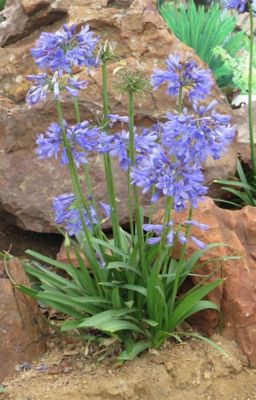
(204, 30)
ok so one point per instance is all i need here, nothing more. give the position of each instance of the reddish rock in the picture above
(237, 295)
(27, 185)
(32, 6)
(22, 332)
(21, 18)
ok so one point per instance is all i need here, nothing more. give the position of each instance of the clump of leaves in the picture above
(142, 308)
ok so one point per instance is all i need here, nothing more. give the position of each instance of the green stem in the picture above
(166, 219)
(75, 182)
(180, 264)
(135, 191)
(130, 207)
(107, 163)
(250, 79)
(87, 177)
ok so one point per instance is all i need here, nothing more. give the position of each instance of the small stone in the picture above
(207, 375)
(168, 365)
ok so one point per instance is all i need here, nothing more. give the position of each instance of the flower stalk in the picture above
(138, 221)
(81, 202)
(107, 161)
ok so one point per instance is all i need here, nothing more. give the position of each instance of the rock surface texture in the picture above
(21, 329)
(236, 297)
(27, 185)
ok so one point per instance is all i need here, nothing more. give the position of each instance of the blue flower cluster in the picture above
(195, 137)
(66, 213)
(171, 177)
(62, 50)
(82, 139)
(56, 54)
(196, 81)
(43, 84)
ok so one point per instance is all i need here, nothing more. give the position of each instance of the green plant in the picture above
(204, 30)
(140, 312)
(2, 4)
(238, 67)
(128, 285)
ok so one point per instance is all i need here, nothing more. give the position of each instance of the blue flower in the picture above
(81, 138)
(106, 208)
(62, 50)
(66, 213)
(48, 144)
(113, 118)
(196, 81)
(117, 146)
(73, 86)
(39, 90)
(237, 4)
(43, 84)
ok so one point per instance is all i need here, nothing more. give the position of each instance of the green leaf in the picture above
(231, 203)
(49, 277)
(150, 322)
(88, 307)
(133, 351)
(104, 317)
(135, 288)
(3, 389)
(189, 301)
(116, 300)
(116, 325)
(207, 340)
(29, 292)
(70, 325)
(241, 195)
(111, 247)
(119, 265)
(242, 185)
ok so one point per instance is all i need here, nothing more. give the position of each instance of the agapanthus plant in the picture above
(126, 285)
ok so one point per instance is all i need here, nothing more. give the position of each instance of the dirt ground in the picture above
(192, 370)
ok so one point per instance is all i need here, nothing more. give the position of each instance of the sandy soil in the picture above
(193, 370)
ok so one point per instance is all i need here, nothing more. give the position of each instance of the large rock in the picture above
(142, 39)
(22, 333)
(236, 296)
